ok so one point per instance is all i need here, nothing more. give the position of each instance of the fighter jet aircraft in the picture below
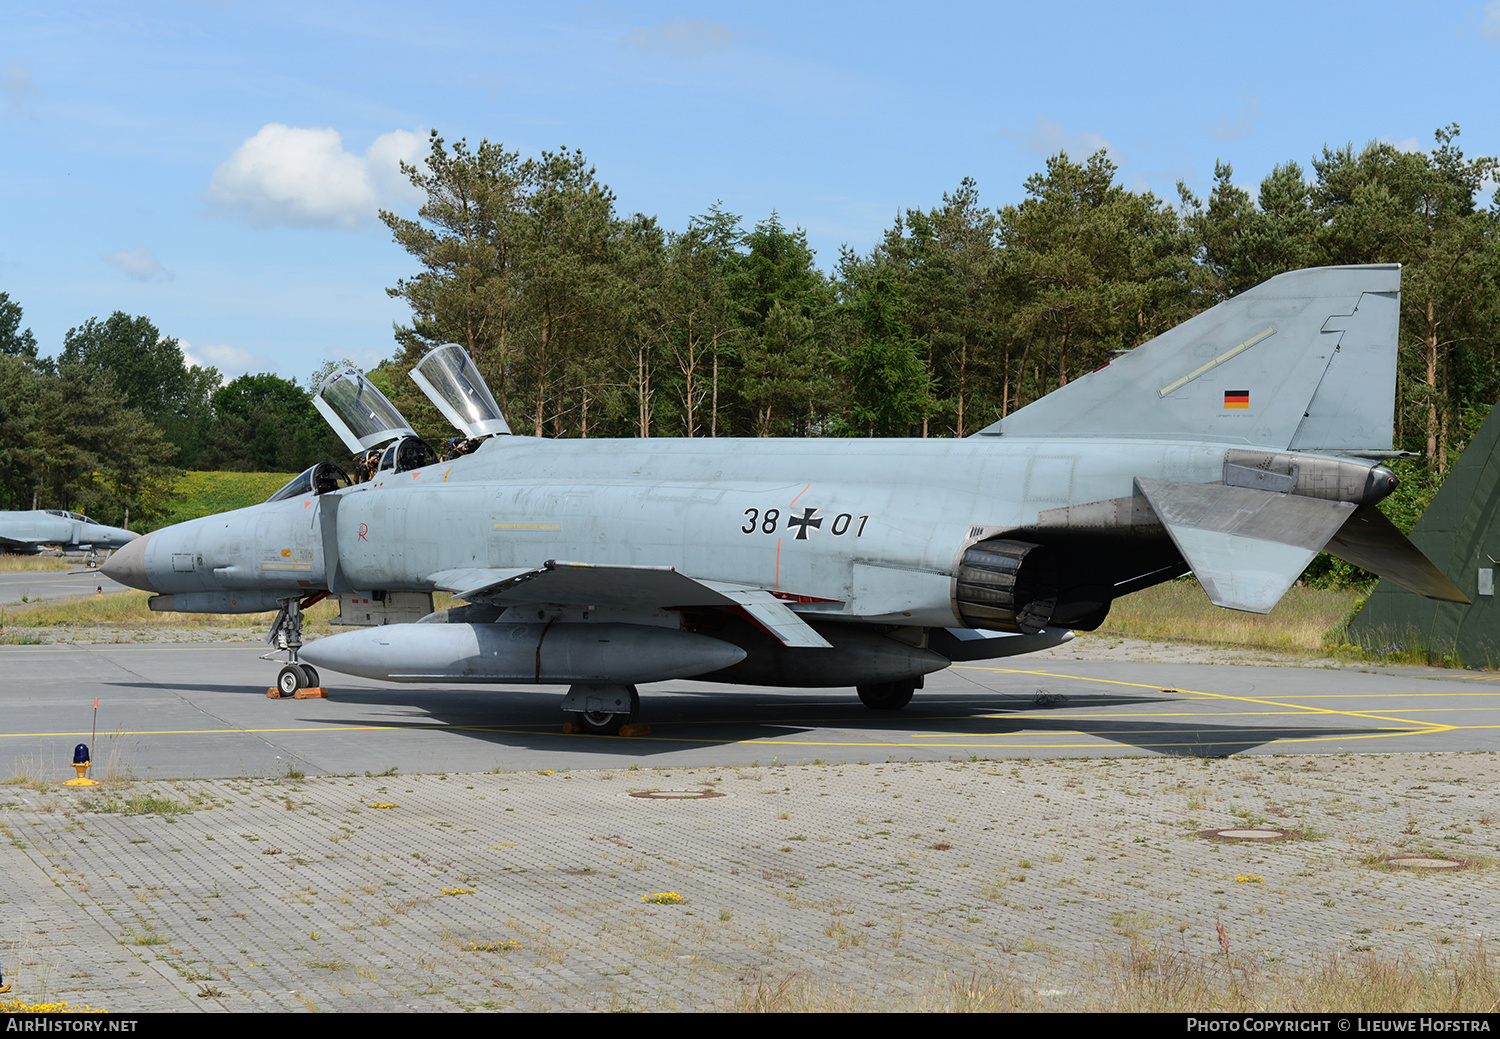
(27, 533)
(1235, 446)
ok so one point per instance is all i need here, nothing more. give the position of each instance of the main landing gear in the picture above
(888, 696)
(601, 710)
(286, 636)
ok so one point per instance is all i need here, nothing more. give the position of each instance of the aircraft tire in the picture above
(601, 723)
(290, 680)
(313, 680)
(886, 696)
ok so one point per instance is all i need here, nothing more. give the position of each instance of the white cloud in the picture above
(305, 178)
(1047, 138)
(383, 159)
(231, 361)
(1238, 127)
(682, 37)
(364, 360)
(138, 264)
(1489, 28)
(18, 89)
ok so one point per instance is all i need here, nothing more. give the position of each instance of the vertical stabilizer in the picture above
(1305, 361)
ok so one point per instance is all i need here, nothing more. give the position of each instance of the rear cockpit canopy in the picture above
(451, 381)
(64, 514)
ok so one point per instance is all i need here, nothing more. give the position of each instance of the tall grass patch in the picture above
(1179, 610)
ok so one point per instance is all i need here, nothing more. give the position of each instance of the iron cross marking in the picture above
(804, 521)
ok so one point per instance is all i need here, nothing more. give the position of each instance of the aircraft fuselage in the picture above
(872, 527)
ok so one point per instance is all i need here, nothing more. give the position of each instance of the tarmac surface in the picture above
(30, 585)
(200, 710)
(377, 850)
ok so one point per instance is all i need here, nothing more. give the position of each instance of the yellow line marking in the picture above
(1190, 376)
(1369, 715)
(223, 732)
(1376, 696)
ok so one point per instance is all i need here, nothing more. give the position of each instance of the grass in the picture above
(129, 610)
(1151, 978)
(20, 1006)
(140, 804)
(1178, 610)
(204, 494)
(15, 564)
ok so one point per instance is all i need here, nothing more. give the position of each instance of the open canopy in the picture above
(451, 380)
(360, 414)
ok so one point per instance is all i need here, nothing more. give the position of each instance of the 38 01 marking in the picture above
(769, 522)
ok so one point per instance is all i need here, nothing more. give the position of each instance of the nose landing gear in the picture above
(296, 680)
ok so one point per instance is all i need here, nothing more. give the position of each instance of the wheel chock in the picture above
(635, 729)
(316, 692)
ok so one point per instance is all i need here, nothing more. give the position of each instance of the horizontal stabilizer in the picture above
(591, 584)
(1245, 546)
(1372, 542)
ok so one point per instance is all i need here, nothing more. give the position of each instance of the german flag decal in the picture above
(1236, 398)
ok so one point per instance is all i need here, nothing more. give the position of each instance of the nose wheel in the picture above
(292, 678)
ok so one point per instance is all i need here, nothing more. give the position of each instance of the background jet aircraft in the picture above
(1235, 446)
(27, 533)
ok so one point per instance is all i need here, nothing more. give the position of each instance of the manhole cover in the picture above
(1246, 835)
(676, 795)
(1423, 862)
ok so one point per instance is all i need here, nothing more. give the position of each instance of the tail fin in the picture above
(1305, 361)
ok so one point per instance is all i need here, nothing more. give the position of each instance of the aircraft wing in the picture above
(18, 545)
(562, 583)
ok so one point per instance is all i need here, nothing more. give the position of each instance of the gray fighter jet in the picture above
(1235, 446)
(27, 533)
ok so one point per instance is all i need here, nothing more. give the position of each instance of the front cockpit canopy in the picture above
(451, 381)
(317, 479)
(64, 514)
(359, 413)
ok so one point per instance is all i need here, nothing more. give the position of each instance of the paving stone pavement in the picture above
(887, 881)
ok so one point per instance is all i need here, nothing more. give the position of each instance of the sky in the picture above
(218, 166)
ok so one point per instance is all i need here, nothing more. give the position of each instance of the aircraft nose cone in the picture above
(128, 565)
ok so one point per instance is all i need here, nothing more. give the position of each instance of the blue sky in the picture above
(217, 166)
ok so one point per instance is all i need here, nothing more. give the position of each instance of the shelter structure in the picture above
(1460, 533)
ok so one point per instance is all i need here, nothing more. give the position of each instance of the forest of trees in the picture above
(590, 322)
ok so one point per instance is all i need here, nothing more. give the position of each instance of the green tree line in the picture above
(106, 426)
(590, 321)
